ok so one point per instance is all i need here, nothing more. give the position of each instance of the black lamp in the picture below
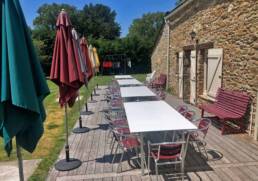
(193, 34)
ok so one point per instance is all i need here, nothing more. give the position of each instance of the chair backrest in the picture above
(204, 125)
(152, 75)
(190, 115)
(162, 78)
(171, 149)
(232, 101)
(182, 108)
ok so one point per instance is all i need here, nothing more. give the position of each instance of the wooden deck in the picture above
(231, 157)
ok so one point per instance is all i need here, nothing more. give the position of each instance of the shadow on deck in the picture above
(231, 157)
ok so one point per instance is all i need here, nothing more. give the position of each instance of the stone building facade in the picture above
(211, 44)
(159, 56)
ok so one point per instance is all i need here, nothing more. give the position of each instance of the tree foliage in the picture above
(97, 23)
(94, 21)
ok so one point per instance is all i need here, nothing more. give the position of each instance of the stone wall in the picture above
(159, 55)
(229, 24)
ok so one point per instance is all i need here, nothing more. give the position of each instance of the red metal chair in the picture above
(160, 82)
(181, 109)
(167, 153)
(190, 115)
(125, 142)
(198, 137)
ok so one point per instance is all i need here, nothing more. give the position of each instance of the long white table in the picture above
(139, 91)
(128, 82)
(153, 116)
(123, 77)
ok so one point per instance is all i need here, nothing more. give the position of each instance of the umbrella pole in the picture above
(67, 163)
(66, 135)
(87, 112)
(80, 129)
(20, 164)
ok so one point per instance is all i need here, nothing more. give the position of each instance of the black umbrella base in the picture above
(95, 94)
(80, 130)
(85, 113)
(64, 165)
(92, 101)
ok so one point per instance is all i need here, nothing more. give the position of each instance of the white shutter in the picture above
(180, 74)
(193, 78)
(214, 72)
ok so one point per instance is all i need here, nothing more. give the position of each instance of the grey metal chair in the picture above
(198, 137)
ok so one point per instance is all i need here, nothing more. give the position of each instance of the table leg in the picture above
(142, 153)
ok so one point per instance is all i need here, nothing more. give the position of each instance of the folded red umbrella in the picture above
(65, 69)
(84, 49)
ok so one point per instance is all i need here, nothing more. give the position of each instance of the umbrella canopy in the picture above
(22, 82)
(92, 58)
(66, 69)
(79, 54)
(85, 51)
(96, 58)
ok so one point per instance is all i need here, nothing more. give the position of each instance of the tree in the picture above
(142, 36)
(147, 27)
(93, 21)
(99, 21)
(47, 15)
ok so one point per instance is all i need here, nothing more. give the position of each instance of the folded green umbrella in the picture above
(22, 82)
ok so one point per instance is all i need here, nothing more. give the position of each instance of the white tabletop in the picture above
(123, 82)
(123, 77)
(141, 91)
(155, 116)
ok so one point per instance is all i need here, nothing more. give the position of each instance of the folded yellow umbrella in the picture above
(96, 58)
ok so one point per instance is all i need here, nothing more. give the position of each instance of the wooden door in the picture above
(180, 74)
(193, 78)
(214, 71)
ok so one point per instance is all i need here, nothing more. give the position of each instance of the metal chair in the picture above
(125, 142)
(190, 115)
(168, 153)
(182, 108)
(198, 137)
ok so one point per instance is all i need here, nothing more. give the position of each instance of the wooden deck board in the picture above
(239, 153)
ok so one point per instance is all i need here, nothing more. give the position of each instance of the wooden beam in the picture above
(200, 46)
(207, 45)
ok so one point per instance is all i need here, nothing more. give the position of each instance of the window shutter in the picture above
(180, 74)
(214, 73)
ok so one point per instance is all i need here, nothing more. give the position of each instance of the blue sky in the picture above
(127, 10)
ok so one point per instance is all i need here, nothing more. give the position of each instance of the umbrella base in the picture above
(95, 94)
(92, 101)
(85, 113)
(64, 165)
(80, 130)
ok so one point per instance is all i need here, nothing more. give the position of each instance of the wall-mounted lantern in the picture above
(193, 34)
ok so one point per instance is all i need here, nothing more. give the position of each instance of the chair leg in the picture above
(198, 147)
(112, 146)
(120, 161)
(156, 168)
(205, 151)
(157, 171)
(183, 169)
(115, 154)
(148, 163)
(202, 113)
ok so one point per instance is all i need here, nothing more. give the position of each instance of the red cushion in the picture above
(123, 130)
(130, 142)
(119, 122)
(167, 152)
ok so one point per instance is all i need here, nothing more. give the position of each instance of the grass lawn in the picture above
(53, 139)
